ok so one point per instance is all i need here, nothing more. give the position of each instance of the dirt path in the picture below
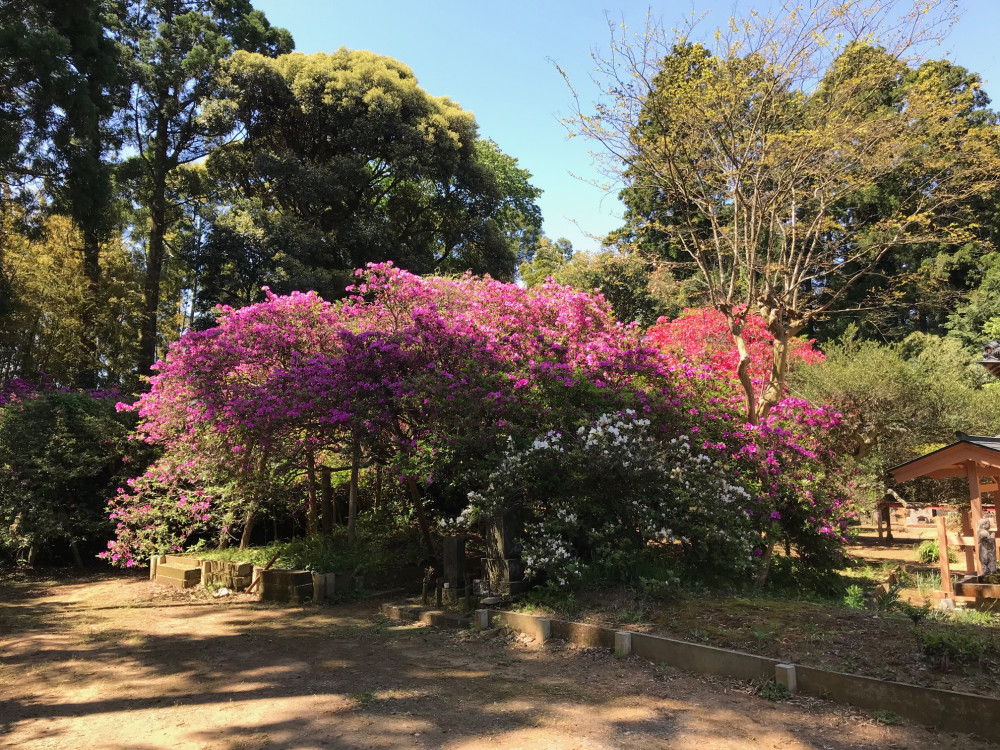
(118, 663)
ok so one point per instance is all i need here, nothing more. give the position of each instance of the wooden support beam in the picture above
(976, 498)
(970, 550)
(945, 566)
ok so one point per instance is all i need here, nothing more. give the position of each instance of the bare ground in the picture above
(116, 662)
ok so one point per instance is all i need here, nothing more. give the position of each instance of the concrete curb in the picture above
(944, 709)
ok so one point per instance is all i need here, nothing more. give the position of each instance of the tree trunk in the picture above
(312, 513)
(154, 251)
(87, 376)
(327, 494)
(352, 503)
(765, 561)
(775, 388)
(418, 507)
(743, 368)
(247, 530)
(223, 539)
(32, 555)
(378, 487)
(77, 558)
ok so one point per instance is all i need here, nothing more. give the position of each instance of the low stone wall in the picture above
(235, 576)
(284, 585)
(944, 709)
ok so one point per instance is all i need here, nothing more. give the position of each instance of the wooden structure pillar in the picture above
(942, 534)
(970, 525)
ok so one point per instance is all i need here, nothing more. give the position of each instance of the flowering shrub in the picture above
(700, 337)
(613, 490)
(535, 400)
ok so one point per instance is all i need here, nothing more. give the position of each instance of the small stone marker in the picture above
(623, 643)
(784, 674)
(483, 619)
(987, 547)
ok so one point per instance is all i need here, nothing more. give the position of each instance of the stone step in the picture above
(181, 577)
(182, 561)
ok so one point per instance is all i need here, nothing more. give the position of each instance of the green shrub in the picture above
(62, 454)
(952, 645)
(889, 718)
(774, 691)
(927, 552)
(854, 598)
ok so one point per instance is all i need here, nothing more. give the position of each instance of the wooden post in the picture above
(888, 522)
(878, 520)
(976, 498)
(943, 563)
(970, 551)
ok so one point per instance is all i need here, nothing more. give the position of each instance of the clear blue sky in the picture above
(496, 60)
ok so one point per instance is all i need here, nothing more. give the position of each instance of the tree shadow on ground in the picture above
(113, 670)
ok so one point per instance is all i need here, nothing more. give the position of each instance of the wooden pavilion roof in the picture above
(954, 460)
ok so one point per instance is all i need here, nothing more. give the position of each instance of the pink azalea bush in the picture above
(450, 383)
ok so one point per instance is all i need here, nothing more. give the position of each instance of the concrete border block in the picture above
(945, 709)
(539, 628)
(319, 588)
(695, 657)
(583, 634)
(482, 619)
(784, 674)
(623, 643)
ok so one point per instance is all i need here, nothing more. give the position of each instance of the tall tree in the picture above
(178, 47)
(345, 160)
(70, 82)
(761, 147)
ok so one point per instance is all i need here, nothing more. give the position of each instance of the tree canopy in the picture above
(760, 158)
(344, 159)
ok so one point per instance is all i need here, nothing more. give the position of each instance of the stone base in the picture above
(277, 585)
(181, 577)
(484, 588)
(234, 576)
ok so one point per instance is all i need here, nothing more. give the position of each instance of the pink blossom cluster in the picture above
(414, 369)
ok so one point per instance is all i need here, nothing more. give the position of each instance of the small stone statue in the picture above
(992, 350)
(987, 547)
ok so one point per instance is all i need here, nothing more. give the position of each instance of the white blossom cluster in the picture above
(614, 483)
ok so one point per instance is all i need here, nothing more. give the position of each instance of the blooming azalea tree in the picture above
(701, 337)
(449, 383)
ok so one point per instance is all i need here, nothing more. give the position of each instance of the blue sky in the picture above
(496, 60)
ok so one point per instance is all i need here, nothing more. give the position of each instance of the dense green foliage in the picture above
(110, 111)
(900, 401)
(61, 456)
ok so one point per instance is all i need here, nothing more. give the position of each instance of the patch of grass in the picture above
(927, 552)
(774, 691)
(363, 698)
(889, 718)
(943, 646)
(927, 582)
(549, 599)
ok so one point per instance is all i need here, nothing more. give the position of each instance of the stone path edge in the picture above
(945, 710)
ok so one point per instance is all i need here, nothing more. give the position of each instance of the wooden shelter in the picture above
(975, 457)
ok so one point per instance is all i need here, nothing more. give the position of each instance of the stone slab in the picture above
(582, 634)
(695, 657)
(540, 628)
(182, 561)
(166, 570)
(945, 709)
